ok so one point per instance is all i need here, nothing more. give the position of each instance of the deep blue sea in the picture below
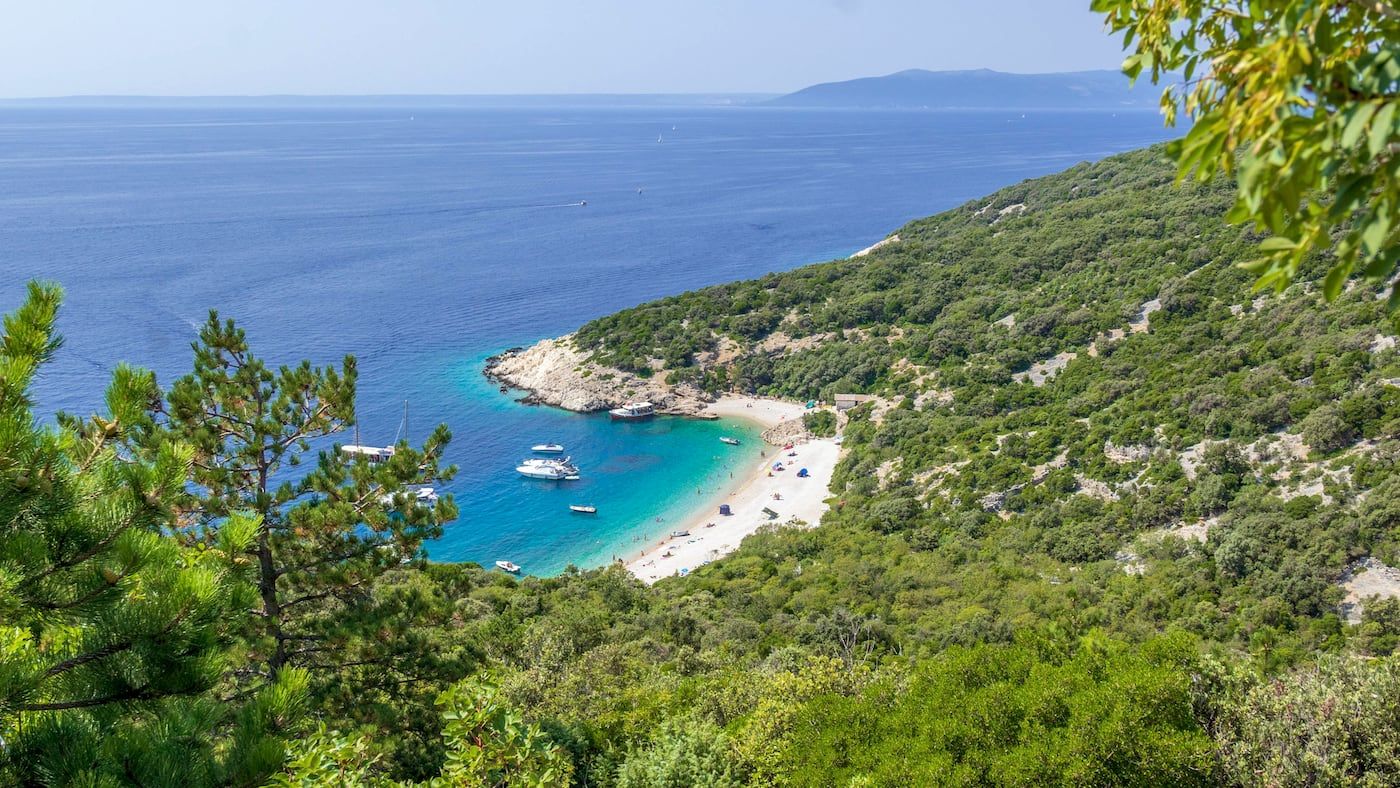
(424, 240)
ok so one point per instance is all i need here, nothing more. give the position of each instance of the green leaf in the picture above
(1382, 129)
(1332, 285)
(1356, 123)
(1373, 234)
(1277, 244)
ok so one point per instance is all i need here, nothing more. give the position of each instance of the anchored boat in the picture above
(547, 448)
(537, 468)
(507, 566)
(426, 497)
(582, 509)
(633, 411)
(377, 454)
(730, 441)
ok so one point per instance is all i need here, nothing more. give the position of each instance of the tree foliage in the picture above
(322, 536)
(1298, 98)
(114, 631)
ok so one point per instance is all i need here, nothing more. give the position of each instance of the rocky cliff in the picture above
(556, 373)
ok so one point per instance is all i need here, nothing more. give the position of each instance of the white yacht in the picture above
(426, 497)
(547, 448)
(537, 468)
(633, 410)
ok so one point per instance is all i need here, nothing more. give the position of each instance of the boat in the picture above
(507, 566)
(680, 533)
(540, 468)
(374, 454)
(377, 454)
(633, 411)
(730, 441)
(423, 496)
(547, 448)
(582, 509)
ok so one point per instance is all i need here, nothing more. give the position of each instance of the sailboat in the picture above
(377, 454)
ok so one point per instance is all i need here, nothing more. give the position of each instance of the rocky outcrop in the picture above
(555, 372)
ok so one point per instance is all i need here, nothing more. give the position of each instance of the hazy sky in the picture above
(213, 47)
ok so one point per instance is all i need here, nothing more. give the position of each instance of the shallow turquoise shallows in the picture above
(644, 477)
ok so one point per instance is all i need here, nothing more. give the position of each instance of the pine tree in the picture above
(324, 536)
(113, 628)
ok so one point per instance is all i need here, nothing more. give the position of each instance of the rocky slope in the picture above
(554, 372)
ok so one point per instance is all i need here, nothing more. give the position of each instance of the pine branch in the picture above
(125, 695)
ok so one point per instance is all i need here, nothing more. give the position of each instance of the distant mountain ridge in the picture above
(976, 89)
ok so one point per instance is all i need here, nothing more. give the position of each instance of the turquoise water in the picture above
(645, 478)
(423, 240)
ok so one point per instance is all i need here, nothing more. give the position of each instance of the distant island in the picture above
(976, 89)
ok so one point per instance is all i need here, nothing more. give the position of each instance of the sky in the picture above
(256, 47)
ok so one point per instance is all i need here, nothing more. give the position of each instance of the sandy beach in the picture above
(712, 535)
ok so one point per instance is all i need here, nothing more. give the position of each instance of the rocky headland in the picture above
(555, 372)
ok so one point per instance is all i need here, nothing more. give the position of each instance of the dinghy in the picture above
(582, 509)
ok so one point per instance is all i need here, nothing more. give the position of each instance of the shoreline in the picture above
(555, 372)
(712, 536)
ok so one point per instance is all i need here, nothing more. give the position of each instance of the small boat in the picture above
(423, 496)
(507, 566)
(680, 533)
(547, 448)
(554, 470)
(730, 441)
(633, 411)
(581, 509)
(375, 454)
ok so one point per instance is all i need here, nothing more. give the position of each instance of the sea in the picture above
(425, 239)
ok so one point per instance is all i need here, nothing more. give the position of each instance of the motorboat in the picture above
(680, 533)
(507, 566)
(547, 448)
(633, 411)
(426, 497)
(583, 509)
(729, 440)
(552, 469)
